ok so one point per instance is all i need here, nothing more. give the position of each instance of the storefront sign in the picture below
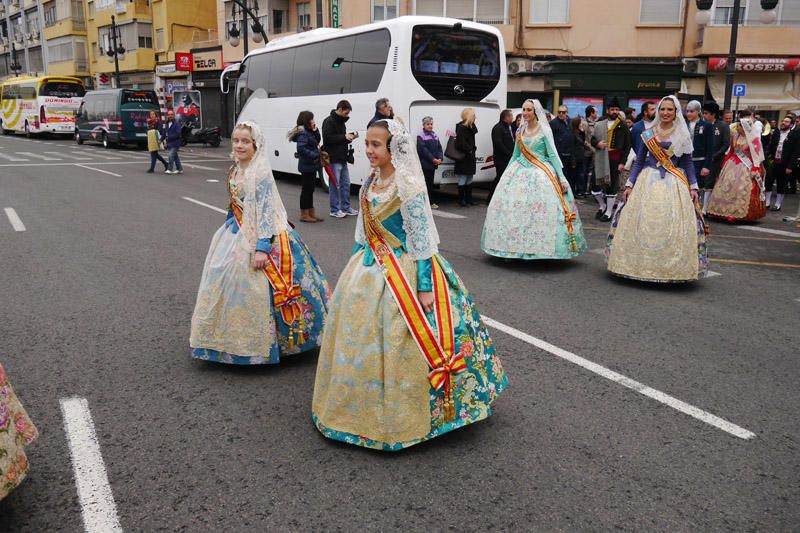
(183, 61)
(207, 60)
(576, 105)
(335, 13)
(756, 64)
(169, 68)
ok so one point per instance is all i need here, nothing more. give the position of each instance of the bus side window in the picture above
(336, 65)
(305, 81)
(281, 73)
(257, 75)
(369, 61)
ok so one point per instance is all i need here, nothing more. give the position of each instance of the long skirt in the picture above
(372, 387)
(738, 195)
(234, 319)
(658, 235)
(525, 219)
(16, 432)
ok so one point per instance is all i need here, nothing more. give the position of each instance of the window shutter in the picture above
(490, 11)
(432, 8)
(549, 11)
(660, 12)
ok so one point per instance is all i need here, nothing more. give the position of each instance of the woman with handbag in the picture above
(152, 143)
(465, 166)
(532, 214)
(307, 137)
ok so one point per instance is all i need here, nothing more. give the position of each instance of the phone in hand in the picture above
(353, 133)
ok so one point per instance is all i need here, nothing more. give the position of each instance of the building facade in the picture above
(21, 23)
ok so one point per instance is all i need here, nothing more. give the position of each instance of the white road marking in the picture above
(101, 156)
(116, 162)
(38, 156)
(13, 217)
(94, 492)
(445, 214)
(711, 273)
(213, 181)
(772, 231)
(98, 170)
(70, 156)
(11, 158)
(666, 399)
(201, 167)
(198, 202)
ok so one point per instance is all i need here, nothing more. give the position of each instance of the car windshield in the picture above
(62, 89)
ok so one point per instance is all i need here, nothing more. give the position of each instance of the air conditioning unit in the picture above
(538, 66)
(517, 66)
(694, 66)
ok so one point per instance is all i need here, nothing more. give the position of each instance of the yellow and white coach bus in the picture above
(425, 66)
(43, 104)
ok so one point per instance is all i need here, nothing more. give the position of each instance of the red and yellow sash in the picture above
(437, 348)
(569, 215)
(285, 294)
(655, 148)
(611, 131)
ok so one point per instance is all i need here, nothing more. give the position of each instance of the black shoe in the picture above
(469, 195)
(150, 171)
(775, 208)
(599, 214)
(605, 218)
(462, 197)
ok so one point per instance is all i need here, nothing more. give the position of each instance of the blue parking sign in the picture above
(739, 89)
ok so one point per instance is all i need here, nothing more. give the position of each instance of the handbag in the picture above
(351, 155)
(452, 152)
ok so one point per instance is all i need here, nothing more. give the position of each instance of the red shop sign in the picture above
(183, 61)
(756, 64)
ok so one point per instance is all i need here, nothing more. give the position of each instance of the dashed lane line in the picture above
(661, 397)
(98, 170)
(116, 162)
(191, 165)
(13, 217)
(213, 181)
(38, 156)
(445, 214)
(98, 508)
(70, 156)
(198, 202)
(8, 157)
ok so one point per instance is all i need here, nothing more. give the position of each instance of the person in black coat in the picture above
(562, 136)
(722, 142)
(429, 150)
(465, 168)
(779, 151)
(383, 111)
(307, 137)
(702, 142)
(502, 147)
(575, 168)
(336, 142)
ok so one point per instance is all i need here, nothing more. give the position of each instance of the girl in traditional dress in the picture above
(659, 233)
(16, 432)
(405, 356)
(262, 294)
(739, 192)
(532, 214)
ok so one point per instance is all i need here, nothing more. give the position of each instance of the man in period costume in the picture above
(722, 141)
(702, 141)
(612, 139)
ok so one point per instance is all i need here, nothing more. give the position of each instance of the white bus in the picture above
(425, 66)
(43, 104)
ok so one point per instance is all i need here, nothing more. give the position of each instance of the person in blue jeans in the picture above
(336, 142)
(171, 133)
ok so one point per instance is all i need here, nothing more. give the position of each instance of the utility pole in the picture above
(731, 70)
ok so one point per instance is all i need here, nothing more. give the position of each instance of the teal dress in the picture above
(372, 385)
(526, 219)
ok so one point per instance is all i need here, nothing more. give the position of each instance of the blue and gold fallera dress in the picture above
(237, 318)
(373, 385)
(529, 217)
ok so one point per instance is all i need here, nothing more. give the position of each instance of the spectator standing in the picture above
(517, 122)
(307, 137)
(465, 168)
(171, 134)
(648, 117)
(793, 151)
(727, 117)
(722, 141)
(336, 141)
(502, 146)
(779, 150)
(562, 136)
(383, 111)
(152, 142)
(575, 168)
(429, 150)
(591, 119)
(702, 133)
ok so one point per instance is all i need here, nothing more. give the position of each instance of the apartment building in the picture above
(21, 23)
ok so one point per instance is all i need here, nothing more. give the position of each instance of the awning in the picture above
(765, 92)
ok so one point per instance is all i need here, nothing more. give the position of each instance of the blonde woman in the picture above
(465, 167)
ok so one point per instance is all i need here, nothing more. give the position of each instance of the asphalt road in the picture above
(96, 297)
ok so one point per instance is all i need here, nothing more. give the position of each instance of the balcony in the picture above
(67, 26)
(756, 40)
(74, 67)
(136, 60)
(123, 11)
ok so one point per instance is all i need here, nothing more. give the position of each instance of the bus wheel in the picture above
(104, 141)
(78, 137)
(7, 132)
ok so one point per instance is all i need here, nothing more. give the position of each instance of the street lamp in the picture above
(259, 34)
(15, 67)
(703, 17)
(117, 52)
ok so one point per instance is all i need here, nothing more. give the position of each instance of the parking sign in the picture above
(739, 89)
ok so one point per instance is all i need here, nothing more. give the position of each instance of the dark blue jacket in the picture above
(703, 140)
(171, 131)
(428, 151)
(562, 137)
(376, 118)
(636, 136)
(308, 150)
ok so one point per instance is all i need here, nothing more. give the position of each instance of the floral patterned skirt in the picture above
(16, 432)
(738, 195)
(371, 386)
(525, 219)
(234, 320)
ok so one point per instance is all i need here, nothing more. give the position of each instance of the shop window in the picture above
(549, 12)
(660, 11)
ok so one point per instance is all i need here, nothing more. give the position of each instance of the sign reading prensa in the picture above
(756, 64)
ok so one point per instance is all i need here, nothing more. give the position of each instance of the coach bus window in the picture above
(258, 74)
(369, 60)
(242, 90)
(305, 81)
(281, 73)
(27, 91)
(62, 89)
(336, 65)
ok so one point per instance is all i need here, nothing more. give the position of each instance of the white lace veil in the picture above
(681, 139)
(541, 117)
(264, 214)
(753, 141)
(422, 239)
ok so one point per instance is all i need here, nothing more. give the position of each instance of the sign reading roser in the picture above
(208, 60)
(756, 64)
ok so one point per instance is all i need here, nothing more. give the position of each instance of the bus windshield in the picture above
(455, 52)
(139, 97)
(62, 89)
